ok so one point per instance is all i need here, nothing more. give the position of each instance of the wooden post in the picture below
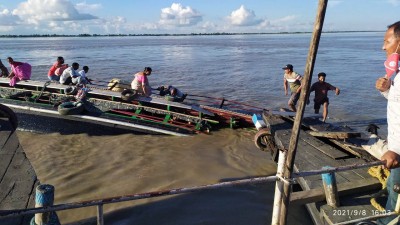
(330, 188)
(300, 110)
(278, 189)
(45, 197)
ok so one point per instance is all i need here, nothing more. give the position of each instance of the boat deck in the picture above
(354, 186)
(17, 178)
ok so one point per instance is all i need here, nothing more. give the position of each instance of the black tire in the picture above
(71, 90)
(70, 108)
(6, 112)
(259, 138)
(128, 95)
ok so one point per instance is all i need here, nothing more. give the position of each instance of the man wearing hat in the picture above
(294, 80)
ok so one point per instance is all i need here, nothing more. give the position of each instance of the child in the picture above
(82, 79)
(321, 89)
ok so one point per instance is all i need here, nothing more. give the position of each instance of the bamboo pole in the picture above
(312, 53)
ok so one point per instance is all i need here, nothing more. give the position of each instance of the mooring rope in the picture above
(382, 174)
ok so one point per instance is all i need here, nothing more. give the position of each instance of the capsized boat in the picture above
(49, 106)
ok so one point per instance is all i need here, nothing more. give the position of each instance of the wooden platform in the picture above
(317, 152)
(17, 178)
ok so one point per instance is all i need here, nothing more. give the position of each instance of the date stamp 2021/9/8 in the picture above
(359, 212)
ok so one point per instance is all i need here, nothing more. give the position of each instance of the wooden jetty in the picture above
(315, 150)
(18, 180)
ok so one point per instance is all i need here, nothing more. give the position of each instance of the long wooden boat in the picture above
(37, 106)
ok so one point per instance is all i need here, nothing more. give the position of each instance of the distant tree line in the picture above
(126, 35)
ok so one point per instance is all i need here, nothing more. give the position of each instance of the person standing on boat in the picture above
(391, 90)
(57, 69)
(3, 70)
(141, 83)
(69, 73)
(19, 71)
(321, 89)
(294, 80)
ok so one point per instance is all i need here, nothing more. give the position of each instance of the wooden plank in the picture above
(335, 134)
(348, 188)
(361, 153)
(5, 132)
(17, 184)
(328, 150)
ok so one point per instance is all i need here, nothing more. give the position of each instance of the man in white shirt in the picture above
(69, 74)
(82, 79)
(391, 91)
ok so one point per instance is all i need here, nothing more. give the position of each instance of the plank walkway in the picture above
(18, 180)
(314, 153)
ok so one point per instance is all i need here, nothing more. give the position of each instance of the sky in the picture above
(71, 17)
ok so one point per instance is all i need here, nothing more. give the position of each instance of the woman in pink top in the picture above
(19, 71)
(141, 84)
(57, 69)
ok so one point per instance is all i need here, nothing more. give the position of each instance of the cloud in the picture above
(37, 11)
(7, 19)
(83, 7)
(113, 25)
(243, 17)
(176, 15)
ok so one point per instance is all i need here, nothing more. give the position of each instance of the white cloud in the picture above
(286, 19)
(83, 7)
(7, 19)
(176, 15)
(243, 17)
(37, 11)
(113, 25)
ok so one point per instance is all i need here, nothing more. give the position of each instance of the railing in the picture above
(100, 202)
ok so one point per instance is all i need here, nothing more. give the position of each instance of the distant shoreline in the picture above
(149, 35)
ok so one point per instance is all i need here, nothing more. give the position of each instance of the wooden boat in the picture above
(37, 104)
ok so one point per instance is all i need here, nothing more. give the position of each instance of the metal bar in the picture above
(28, 211)
(100, 217)
(337, 169)
(74, 205)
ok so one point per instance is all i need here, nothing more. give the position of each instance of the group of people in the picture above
(19, 71)
(321, 88)
(389, 88)
(59, 71)
(65, 74)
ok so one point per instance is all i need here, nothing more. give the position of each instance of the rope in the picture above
(382, 175)
(47, 83)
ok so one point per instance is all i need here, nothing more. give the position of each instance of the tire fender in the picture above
(259, 138)
(70, 108)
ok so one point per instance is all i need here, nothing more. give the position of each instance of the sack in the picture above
(119, 85)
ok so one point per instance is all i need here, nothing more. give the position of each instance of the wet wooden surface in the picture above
(314, 153)
(17, 178)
